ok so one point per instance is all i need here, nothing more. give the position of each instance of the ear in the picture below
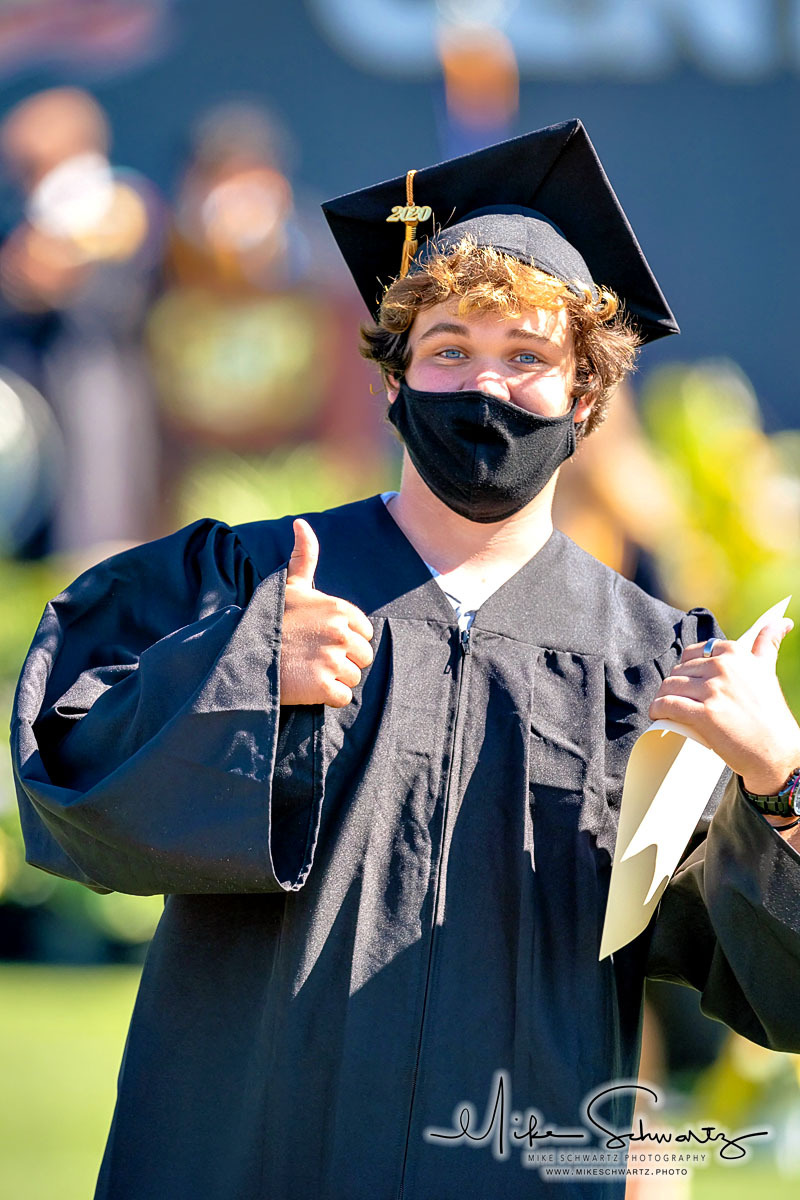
(392, 387)
(584, 408)
(587, 401)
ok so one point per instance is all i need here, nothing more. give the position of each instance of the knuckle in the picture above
(350, 673)
(361, 622)
(717, 686)
(339, 631)
(330, 657)
(360, 651)
(315, 681)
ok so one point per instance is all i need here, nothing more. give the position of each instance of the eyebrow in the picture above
(463, 331)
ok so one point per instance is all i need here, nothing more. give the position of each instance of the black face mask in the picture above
(485, 458)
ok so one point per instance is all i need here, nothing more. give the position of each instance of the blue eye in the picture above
(528, 357)
(451, 352)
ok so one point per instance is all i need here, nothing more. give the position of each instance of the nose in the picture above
(490, 381)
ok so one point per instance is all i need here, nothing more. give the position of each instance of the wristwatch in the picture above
(785, 803)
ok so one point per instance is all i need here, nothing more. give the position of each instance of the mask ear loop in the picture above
(577, 427)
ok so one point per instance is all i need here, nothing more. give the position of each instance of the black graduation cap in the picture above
(543, 198)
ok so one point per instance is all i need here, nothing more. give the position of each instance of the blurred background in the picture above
(178, 339)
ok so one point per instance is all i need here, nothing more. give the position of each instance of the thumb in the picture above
(769, 639)
(303, 562)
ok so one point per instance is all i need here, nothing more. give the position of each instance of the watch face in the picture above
(790, 793)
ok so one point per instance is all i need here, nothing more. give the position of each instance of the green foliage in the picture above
(306, 478)
(736, 548)
(25, 589)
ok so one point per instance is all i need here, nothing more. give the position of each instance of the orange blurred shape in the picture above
(481, 77)
(245, 209)
(50, 127)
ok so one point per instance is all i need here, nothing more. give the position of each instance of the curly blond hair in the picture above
(484, 279)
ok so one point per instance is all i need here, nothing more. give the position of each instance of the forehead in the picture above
(553, 325)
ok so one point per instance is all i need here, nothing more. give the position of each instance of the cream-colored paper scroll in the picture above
(670, 777)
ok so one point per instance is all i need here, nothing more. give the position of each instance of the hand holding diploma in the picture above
(726, 708)
(732, 702)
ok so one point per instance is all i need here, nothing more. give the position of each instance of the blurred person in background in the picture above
(613, 500)
(373, 756)
(251, 342)
(481, 85)
(77, 274)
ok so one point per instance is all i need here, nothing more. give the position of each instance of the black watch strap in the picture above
(785, 803)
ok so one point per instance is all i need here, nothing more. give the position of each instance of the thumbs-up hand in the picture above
(325, 642)
(734, 702)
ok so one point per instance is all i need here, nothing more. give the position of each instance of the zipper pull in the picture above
(465, 647)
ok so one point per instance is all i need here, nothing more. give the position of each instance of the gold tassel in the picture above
(410, 214)
(410, 243)
(410, 246)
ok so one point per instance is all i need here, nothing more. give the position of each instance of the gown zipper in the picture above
(464, 644)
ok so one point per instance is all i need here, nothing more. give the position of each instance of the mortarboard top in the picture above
(542, 198)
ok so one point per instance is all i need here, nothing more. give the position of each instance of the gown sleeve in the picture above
(728, 924)
(148, 751)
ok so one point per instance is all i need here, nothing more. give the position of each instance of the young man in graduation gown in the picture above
(373, 757)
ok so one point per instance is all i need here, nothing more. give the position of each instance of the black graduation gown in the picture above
(372, 911)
